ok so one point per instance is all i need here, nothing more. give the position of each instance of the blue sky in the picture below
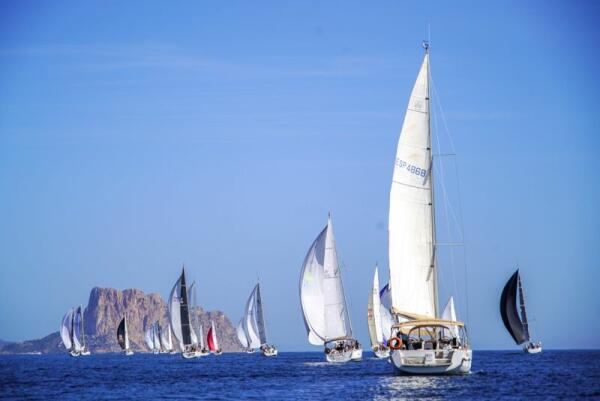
(136, 136)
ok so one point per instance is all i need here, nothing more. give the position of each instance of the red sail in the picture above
(210, 341)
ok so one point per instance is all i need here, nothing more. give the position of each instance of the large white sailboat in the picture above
(252, 326)
(123, 337)
(323, 302)
(179, 318)
(375, 321)
(517, 326)
(423, 342)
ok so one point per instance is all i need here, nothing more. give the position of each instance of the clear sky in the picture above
(136, 136)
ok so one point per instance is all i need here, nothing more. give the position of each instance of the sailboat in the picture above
(253, 325)
(418, 345)
(79, 347)
(152, 338)
(195, 327)
(376, 328)
(323, 302)
(179, 318)
(517, 325)
(211, 338)
(204, 351)
(123, 336)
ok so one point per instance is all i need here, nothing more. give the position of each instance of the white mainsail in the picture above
(374, 314)
(165, 338)
(411, 231)
(78, 334)
(250, 325)
(337, 320)
(322, 293)
(66, 328)
(241, 334)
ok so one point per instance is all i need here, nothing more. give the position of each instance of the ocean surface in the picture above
(294, 376)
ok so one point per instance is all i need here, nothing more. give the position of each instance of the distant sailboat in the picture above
(167, 340)
(254, 334)
(179, 317)
(201, 343)
(195, 326)
(517, 326)
(79, 347)
(376, 328)
(323, 302)
(417, 346)
(123, 336)
(213, 343)
(66, 332)
(152, 338)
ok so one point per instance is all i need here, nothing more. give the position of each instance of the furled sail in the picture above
(66, 329)
(311, 290)
(241, 334)
(411, 232)
(449, 313)
(373, 312)
(337, 320)
(178, 311)
(122, 335)
(509, 311)
(78, 334)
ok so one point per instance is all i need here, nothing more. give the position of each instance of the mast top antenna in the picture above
(425, 45)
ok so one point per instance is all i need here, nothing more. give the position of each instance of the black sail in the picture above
(185, 315)
(509, 311)
(121, 334)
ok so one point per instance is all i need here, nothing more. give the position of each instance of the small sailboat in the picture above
(179, 318)
(517, 326)
(79, 347)
(418, 345)
(376, 328)
(166, 339)
(323, 302)
(195, 326)
(152, 338)
(253, 325)
(204, 351)
(123, 336)
(211, 338)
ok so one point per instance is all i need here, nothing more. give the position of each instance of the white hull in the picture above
(339, 357)
(250, 351)
(270, 352)
(74, 353)
(128, 352)
(432, 362)
(356, 355)
(382, 353)
(191, 354)
(532, 350)
(85, 353)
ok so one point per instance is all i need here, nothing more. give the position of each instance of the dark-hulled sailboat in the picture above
(517, 324)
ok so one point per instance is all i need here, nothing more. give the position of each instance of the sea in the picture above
(513, 375)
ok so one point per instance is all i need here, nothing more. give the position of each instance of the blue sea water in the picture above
(294, 376)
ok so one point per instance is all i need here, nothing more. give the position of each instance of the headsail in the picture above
(241, 334)
(250, 325)
(311, 290)
(387, 319)
(450, 314)
(178, 311)
(411, 232)
(509, 312)
(66, 329)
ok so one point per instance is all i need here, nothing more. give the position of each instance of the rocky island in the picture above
(107, 306)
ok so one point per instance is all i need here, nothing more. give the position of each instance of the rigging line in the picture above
(444, 189)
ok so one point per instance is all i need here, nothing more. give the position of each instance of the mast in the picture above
(523, 312)
(433, 231)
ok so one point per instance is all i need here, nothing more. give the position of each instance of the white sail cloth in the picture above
(322, 293)
(65, 329)
(241, 334)
(450, 314)
(78, 340)
(411, 237)
(166, 339)
(253, 324)
(374, 313)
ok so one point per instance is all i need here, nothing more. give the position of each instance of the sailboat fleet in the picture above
(405, 324)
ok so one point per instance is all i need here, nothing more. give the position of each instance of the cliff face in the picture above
(107, 306)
